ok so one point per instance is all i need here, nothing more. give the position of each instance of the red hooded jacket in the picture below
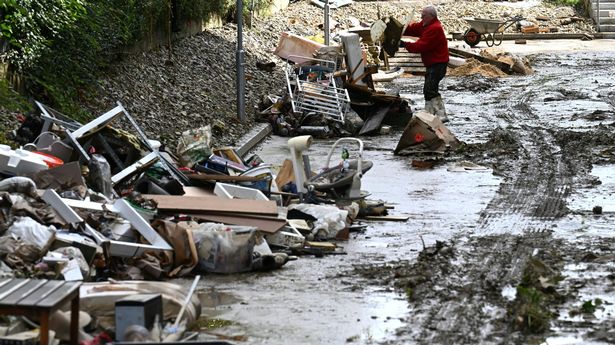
(432, 43)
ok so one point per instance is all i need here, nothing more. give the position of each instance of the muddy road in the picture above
(521, 252)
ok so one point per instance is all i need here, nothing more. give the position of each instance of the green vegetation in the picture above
(588, 307)
(579, 5)
(574, 3)
(535, 293)
(204, 323)
(59, 48)
(532, 316)
(11, 100)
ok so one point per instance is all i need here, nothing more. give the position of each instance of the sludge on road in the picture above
(513, 254)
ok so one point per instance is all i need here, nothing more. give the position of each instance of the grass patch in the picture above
(204, 323)
(535, 293)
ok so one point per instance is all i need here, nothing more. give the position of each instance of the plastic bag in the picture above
(330, 219)
(100, 175)
(193, 146)
(224, 249)
(18, 184)
(30, 231)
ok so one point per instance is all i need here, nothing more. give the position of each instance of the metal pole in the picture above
(327, 31)
(598, 14)
(240, 63)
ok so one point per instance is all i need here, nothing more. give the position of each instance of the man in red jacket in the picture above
(433, 47)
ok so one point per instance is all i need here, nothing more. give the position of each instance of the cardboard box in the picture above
(426, 133)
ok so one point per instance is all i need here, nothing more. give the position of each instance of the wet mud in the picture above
(519, 253)
(535, 268)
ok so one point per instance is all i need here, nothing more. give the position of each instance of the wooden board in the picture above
(321, 245)
(225, 178)
(389, 218)
(268, 225)
(501, 65)
(195, 204)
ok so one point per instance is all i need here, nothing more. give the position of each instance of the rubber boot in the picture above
(429, 106)
(440, 111)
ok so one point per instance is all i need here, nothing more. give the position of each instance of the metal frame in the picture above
(317, 97)
(76, 131)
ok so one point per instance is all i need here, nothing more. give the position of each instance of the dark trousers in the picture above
(435, 73)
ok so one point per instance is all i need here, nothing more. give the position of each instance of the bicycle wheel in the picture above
(471, 37)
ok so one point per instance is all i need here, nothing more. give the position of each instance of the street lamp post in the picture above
(240, 63)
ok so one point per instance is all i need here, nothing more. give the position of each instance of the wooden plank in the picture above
(18, 291)
(214, 178)
(42, 293)
(263, 224)
(321, 245)
(389, 218)
(374, 121)
(60, 295)
(300, 224)
(501, 65)
(9, 288)
(195, 204)
(24, 291)
(198, 191)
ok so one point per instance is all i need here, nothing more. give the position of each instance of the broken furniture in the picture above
(114, 248)
(312, 89)
(32, 297)
(77, 133)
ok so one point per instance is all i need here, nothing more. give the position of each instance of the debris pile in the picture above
(111, 208)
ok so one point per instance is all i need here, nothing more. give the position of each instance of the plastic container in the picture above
(51, 161)
(20, 162)
(262, 171)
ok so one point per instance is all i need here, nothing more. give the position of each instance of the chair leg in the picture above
(74, 321)
(44, 324)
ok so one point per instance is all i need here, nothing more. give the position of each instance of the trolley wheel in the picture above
(490, 40)
(497, 38)
(471, 37)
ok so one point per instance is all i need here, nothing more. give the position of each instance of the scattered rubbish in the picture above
(466, 166)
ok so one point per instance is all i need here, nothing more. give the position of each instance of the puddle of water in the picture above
(509, 292)
(569, 340)
(305, 302)
(600, 195)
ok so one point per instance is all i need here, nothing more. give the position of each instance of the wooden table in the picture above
(33, 297)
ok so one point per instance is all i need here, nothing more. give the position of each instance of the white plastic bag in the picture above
(30, 231)
(329, 219)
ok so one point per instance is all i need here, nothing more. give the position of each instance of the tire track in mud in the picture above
(458, 298)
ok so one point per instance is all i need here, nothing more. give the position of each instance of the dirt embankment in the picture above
(194, 86)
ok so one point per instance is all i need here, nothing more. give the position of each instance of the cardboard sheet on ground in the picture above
(425, 133)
